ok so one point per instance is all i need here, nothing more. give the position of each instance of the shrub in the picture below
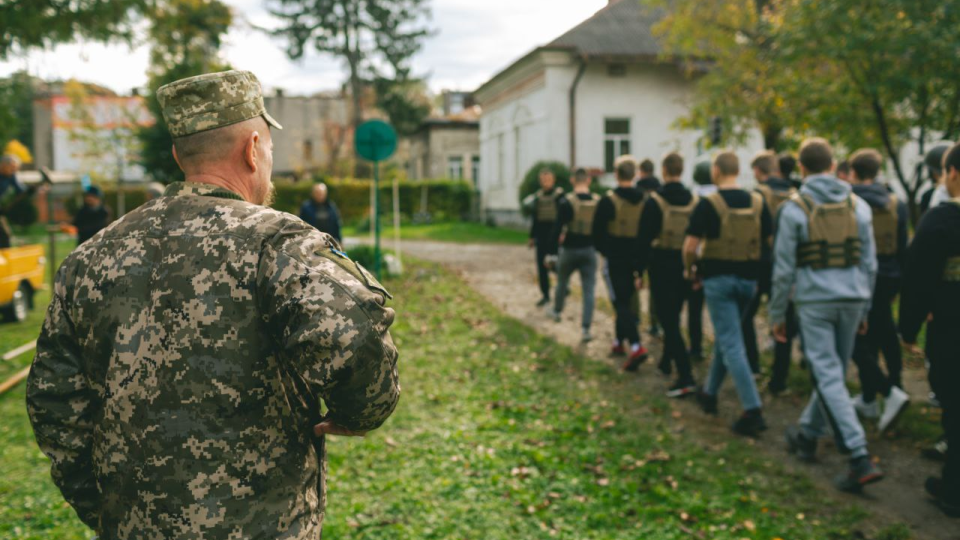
(531, 180)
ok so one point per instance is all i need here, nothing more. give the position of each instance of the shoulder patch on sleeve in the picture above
(355, 269)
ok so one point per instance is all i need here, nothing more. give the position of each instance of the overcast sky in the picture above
(475, 39)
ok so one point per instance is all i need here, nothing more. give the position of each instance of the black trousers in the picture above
(695, 302)
(943, 350)
(545, 246)
(749, 327)
(622, 279)
(669, 290)
(881, 337)
(783, 352)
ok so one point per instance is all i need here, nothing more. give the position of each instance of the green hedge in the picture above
(446, 199)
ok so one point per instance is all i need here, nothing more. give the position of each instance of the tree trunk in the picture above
(892, 152)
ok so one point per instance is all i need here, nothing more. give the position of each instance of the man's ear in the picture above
(250, 154)
(176, 157)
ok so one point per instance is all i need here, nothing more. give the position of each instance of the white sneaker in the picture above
(586, 338)
(893, 405)
(553, 314)
(866, 410)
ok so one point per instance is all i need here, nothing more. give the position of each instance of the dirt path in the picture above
(506, 275)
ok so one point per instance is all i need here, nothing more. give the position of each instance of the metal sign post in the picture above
(375, 141)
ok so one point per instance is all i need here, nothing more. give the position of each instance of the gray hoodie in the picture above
(853, 284)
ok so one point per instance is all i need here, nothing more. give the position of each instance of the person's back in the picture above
(179, 373)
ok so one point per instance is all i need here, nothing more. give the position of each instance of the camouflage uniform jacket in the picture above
(180, 366)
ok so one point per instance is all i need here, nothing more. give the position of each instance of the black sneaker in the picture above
(695, 356)
(750, 424)
(681, 389)
(665, 366)
(543, 301)
(861, 473)
(776, 389)
(934, 487)
(798, 444)
(708, 403)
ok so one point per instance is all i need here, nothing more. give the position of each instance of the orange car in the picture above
(21, 276)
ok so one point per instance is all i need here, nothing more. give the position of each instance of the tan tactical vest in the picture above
(583, 212)
(675, 221)
(834, 238)
(951, 272)
(547, 205)
(774, 198)
(740, 233)
(626, 217)
(885, 225)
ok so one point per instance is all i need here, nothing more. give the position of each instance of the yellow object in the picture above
(19, 266)
(17, 148)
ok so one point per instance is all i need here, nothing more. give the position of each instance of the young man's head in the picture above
(843, 170)
(787, 164)
(9, 165)
(816, 157)
(726, 168)
(93, 197)
(951, 170)
(702, 172)
(581, 180)
(626, 169)
(934, 161)
(646, 168)
(764, 166)
(547, 179)
(672, 167)
(865, 165)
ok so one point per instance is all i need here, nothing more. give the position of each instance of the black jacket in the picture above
(90, 221)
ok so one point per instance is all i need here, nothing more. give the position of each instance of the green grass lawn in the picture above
(459, 231)
(504, 434)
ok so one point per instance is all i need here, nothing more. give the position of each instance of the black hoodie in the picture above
(619, 249)
(878, 196)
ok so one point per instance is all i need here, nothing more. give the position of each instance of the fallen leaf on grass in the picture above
(657, 455)
(388, 440)
(603, 481)
(749, 525)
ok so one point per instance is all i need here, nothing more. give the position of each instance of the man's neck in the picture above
(671, 179)
(727, 182)
(225, 182)
(625, 183)
(583, 190)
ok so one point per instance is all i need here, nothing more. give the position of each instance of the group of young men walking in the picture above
(830, 255)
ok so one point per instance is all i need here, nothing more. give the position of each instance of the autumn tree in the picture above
(17, 93)
(375, 38)
(185, 38)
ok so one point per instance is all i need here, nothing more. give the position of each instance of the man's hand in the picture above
(780, 332)
(638, 283)
(864, 328)
(329, 428)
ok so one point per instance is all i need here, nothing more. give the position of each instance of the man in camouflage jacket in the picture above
(179, 372)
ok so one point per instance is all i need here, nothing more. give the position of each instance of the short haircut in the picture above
(646, 166)
(951, 160)
(816, 155)
(843, 167)
(626, 168)
(866, 163)
(10, 159)
(547, 171)
(765, 162)
(580, 176)
(728, 163)
(214, 144)
(787, 164)
(673, 164)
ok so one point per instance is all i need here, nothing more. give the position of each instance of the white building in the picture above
(599, 91)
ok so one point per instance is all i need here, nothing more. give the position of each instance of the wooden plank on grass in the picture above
(15, 380)
(20, 350)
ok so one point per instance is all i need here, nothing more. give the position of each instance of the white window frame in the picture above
(617, 139)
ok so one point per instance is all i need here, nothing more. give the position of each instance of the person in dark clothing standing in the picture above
(542, 234)
(890, 223)
(695, 300)
(937, 193)
(648, 183)
(574, 228)
(931, 295)
(9, 165)
(616, 229)
(788, 165)
(775, 191)
(92, 217)
(734, 227)
(662, 228)
(320, 212)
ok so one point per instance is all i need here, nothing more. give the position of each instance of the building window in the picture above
(455, 167)
(475, 170)
(616, 140)
(308, 152)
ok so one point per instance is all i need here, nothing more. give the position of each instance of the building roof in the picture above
(622, 28)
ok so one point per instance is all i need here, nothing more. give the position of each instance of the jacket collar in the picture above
(182, 189)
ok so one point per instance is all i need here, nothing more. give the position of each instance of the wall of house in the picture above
(315, 132)
(447, 142)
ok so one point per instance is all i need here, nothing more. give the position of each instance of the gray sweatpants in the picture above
(584, 261)
(829, 330)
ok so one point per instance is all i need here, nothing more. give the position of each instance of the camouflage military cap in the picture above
(212, 101)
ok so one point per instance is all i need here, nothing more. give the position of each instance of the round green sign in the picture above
(375, 140)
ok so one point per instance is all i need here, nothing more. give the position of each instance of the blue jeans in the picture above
(728, 297)
(584, 261)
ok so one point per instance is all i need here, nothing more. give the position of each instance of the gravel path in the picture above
(505, 274)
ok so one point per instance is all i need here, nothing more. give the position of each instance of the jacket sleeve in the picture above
(868, 248)
(650, 225)
(62, 407)
(564, 216)
(600, 220)
(784, 261)
(331, 326)
(903, 233)
(921, 276)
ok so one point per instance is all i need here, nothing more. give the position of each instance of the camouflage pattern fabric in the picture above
(211, 101)
(179, 369)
